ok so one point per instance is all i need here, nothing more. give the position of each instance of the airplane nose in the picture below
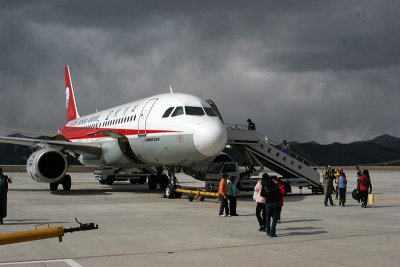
(210, 137)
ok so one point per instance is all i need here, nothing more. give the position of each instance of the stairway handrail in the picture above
(278, 146)
(275, 144)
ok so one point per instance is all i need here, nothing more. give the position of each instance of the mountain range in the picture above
(382, 150)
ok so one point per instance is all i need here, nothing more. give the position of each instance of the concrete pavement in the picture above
(138, 227)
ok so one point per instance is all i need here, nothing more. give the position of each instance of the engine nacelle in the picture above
(200, 170)
(47, 165)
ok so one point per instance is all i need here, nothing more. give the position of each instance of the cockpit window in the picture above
(210, 112)
(167, 112)
(178, 111)
(196, 111)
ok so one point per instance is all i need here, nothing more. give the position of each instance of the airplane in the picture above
(166, 130)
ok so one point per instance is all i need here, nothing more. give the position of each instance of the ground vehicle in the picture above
(108, 175)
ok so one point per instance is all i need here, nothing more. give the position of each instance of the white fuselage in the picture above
(166, 129)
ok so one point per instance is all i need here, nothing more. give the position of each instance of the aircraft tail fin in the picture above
(72, 111)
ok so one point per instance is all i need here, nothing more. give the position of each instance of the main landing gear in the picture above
(65, 182)
(161, 179)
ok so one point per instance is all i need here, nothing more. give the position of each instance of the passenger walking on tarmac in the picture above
(364, 186)
(285, 147)
(328, 186)
(271, 193)
(260, 207)
(342, 185)
(4, 181)
(359, 173)
(223, 197)
(251, 125)
(282, 188)
(232, 192)
(337, 174)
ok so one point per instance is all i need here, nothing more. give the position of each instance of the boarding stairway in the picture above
(258, 150)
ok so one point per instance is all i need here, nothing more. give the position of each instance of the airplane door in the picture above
(142, 121)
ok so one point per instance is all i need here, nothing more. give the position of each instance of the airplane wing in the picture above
(89, 149)
(36, 132)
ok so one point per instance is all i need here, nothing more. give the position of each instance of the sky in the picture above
(324, 71)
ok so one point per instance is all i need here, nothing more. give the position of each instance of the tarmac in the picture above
(138, 227)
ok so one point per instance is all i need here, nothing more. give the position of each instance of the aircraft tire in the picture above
(178, 195)
(110, 179)
(208, 187)
(53, 186)
(152, 182)
(66, 183)
(170, 191)
(163, 181)
(102, 181)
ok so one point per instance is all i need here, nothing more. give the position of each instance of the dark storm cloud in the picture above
(302, 70)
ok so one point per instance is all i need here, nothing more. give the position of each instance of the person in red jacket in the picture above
(364, 186)
(223, 196)
(282, 188)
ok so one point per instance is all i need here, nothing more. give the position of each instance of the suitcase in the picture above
(371, 199)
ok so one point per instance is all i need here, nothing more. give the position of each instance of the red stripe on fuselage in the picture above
(73, 133)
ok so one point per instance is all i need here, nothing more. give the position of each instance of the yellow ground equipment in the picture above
(43, 233)
(196, 193)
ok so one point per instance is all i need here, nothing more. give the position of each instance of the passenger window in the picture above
(196, 111)
(167, 112)
(210, 112)
(178, 111)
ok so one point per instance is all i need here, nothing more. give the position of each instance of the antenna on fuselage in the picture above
(170, 88)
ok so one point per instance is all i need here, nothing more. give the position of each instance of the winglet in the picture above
(170, 88)
(72, 112)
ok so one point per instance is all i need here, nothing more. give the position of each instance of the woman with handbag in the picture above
(260, 207)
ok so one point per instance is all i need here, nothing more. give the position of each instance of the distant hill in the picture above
(14, 154)
(382, 149)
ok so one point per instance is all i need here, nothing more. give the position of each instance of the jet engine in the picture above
(47, 165)
(200, 170)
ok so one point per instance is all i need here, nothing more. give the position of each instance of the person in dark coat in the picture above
(328, 186)
(271, 193)
(282, 188)
(4, 180)
(251, 125)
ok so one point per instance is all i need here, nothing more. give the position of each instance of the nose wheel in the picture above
(170, 188)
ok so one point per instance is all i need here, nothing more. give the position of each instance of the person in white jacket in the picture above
(260, 208)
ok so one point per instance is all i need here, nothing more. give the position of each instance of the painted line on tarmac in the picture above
(70, 262)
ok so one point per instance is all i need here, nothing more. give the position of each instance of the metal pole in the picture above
(32, 235)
